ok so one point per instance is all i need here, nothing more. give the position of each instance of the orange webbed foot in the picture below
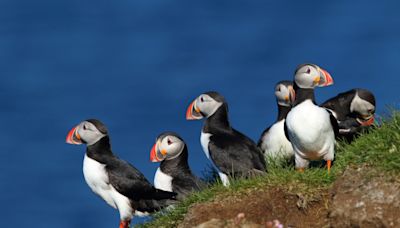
(124, 224)
(328, 165)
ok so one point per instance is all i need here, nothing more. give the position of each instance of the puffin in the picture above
(354, 111)
(231, 153)
(273, 142)
(120, 184)
(311, 129)
(174, 174)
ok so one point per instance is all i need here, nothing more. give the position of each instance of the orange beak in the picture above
(153, 154)
(193, 113)
(368, 122)
(73, 137)
(328, 80)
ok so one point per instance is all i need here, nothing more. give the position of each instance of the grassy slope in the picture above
(379, 149)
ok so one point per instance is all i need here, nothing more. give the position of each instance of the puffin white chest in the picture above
(97, 179)
(309, 129)
(205, 140)
(163, 181)
(274, 142)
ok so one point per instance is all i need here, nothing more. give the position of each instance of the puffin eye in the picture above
(201, 99)
(84, 127)
(169, 142)
(308, 70)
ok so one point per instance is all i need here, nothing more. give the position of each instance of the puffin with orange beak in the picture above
(311, 129)
(354, 111)
(120, 184)
(273, 141)
(231, 153)
(174, 174)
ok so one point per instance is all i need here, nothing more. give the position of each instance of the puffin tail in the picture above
(151, 206)
(158, 200)
(161, 194)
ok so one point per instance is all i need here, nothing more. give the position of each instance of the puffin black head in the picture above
(363, 106)
(204, 105)
(169, 145)
(285, 94)
(88, 132)
(308, 76)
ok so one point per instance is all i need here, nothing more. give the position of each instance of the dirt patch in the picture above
(362, 200)
(361, 197)
(259, 207)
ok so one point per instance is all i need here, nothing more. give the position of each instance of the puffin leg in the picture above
(328, 165)
(124, 224)
(300, 163)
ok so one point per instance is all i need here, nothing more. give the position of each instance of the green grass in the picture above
(380, 149)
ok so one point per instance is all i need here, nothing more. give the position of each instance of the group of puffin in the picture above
(303, 130)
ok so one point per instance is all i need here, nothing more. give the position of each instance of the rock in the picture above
(213, 223)
(361, 200)
(238, 222)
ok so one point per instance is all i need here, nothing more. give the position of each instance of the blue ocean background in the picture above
(136, 66)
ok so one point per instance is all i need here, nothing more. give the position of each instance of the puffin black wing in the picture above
(340, 103)
(340, 100)
(286, 131)
(334, 123)
(235, 154)
(186, 184)
(128, 181)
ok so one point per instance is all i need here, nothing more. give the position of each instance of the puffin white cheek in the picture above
(311, 80)
(361, 106)
(174, 150)
(200, 106)
(203, 107)
(162, 146)
(286, 94)
(304, 81)
(282, 99)
(92, 137)
(212, 107)
(364, 110)
(278, 95)
(82, 133)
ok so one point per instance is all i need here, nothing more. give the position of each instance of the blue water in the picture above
(136, 65)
